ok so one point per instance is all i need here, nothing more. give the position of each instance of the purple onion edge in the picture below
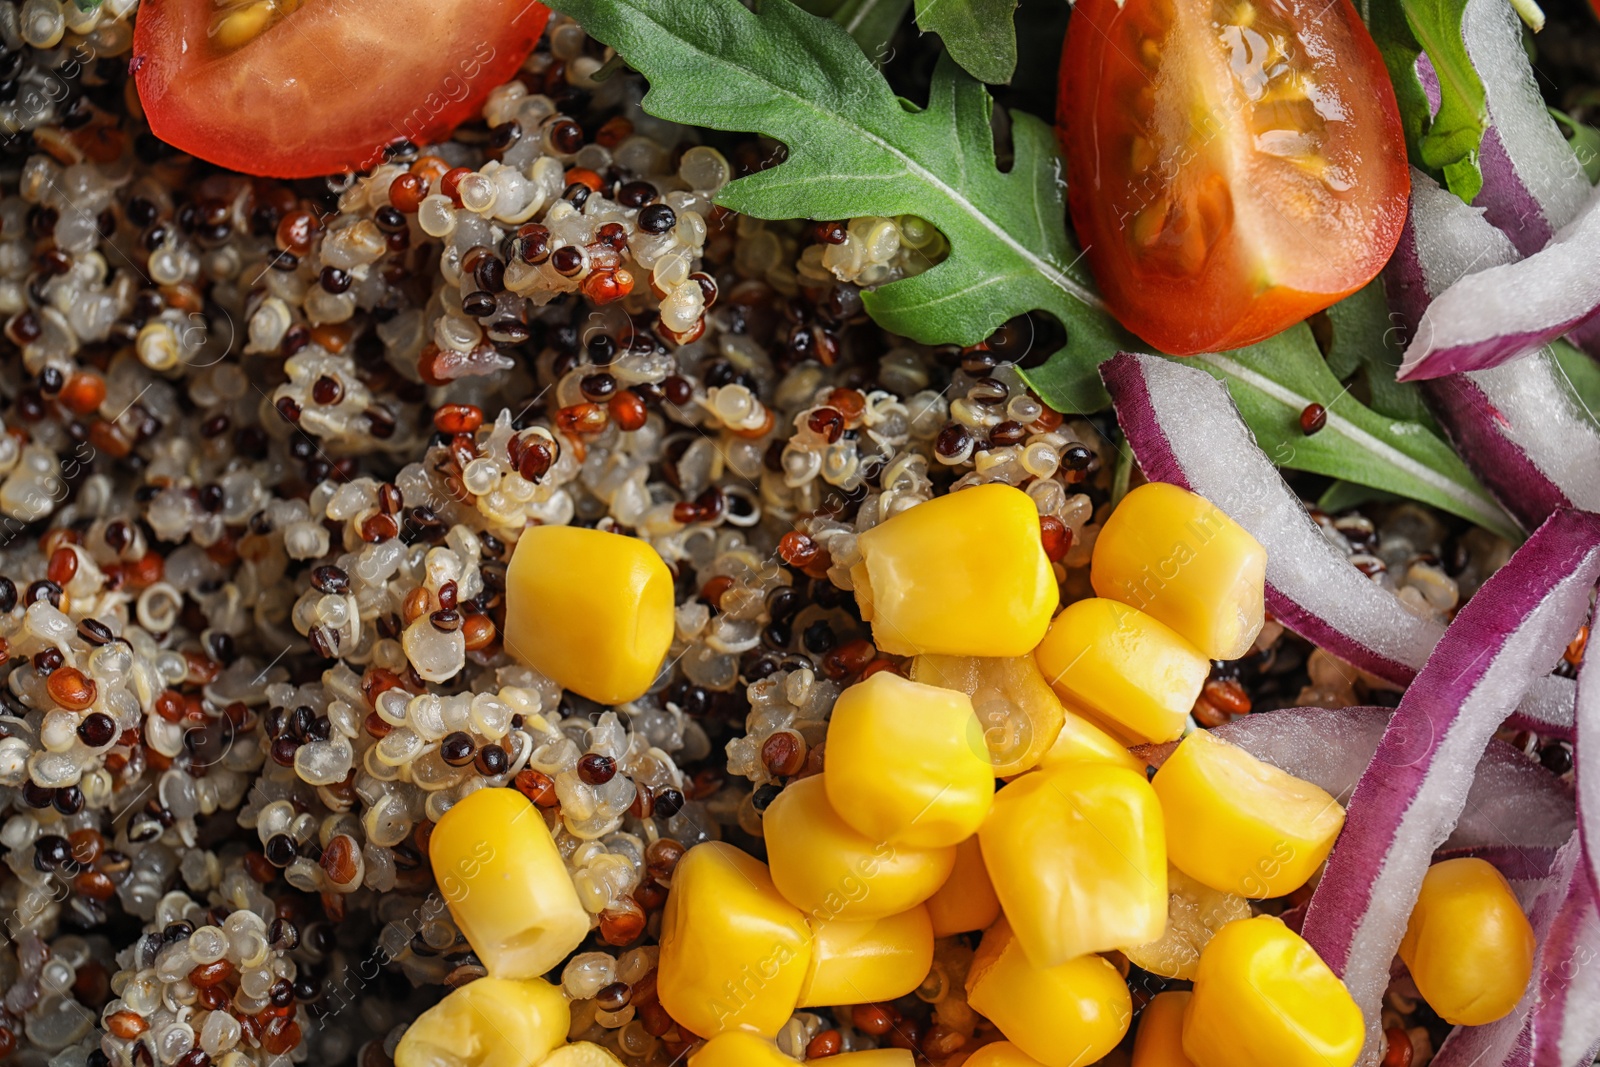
(1586, 767)
(1474, 428)
(1390, 786)
(1573, 942)
(1405, 279)
(1507, 202)
(1485, 353)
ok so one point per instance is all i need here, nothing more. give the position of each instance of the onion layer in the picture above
(1522, 429)
(1533, 183)
(1500, 313)
(1411, 796)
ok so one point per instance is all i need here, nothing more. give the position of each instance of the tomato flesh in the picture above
(322, 87)
(1233, 165)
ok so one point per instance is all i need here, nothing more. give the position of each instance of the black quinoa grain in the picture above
(657, 218)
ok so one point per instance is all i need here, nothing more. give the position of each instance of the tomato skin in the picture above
(1245, 242)
(327, 87)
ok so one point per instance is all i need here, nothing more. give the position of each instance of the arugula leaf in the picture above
(1582, 372)
(1447, 142)
(1585, 142)
(1366, 341)
(978, 34)
(1121, 472)
(871, 22)
(1272, 383)
(855, 149)
(1342, 496)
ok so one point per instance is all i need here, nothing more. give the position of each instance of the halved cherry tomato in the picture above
(1233, 165)
(301, 88)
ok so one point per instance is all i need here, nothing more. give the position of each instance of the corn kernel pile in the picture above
(903, 839)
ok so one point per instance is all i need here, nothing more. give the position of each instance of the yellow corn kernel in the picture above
(1178, 558)
(1468, 945)
(1083, 741)
(734, 953)
(963, 574)
(1159, 1040)
(1063, 1016)
(1000, 1054)
(1020, 714)
(870, 961)
(736, 1048)
(498, 869)
(1264, 998)
(966, 901)
(907, 763)
(830, 871)
(1195, 913)
(1124, 666)
(580, 1054)
(1240, 825)
(1078, 859)
(591, 610)
(492, 1022)
(876, 1057)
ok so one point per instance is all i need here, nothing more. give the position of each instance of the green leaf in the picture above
(1365, 341)
(1274, 381)
(979, 34)
(1342, 496)
(1121, 473)
(1386, 21)
(1446, 143)
(1585, 142)
(871, 22)
(855, 149)
(1582, 372)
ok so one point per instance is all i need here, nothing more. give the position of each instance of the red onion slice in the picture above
(1523, 430)
(1184, 429)
(1525, 433)
(1548, 708)
(1443, 241)
(1586, 764)
(1533, 184)
(1494, 315)
(1411, 796)
(1514, 805)
(1565, 1027)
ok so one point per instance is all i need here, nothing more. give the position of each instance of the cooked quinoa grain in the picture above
(266, 450)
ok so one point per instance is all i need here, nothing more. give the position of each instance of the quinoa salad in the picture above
(654, 532)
